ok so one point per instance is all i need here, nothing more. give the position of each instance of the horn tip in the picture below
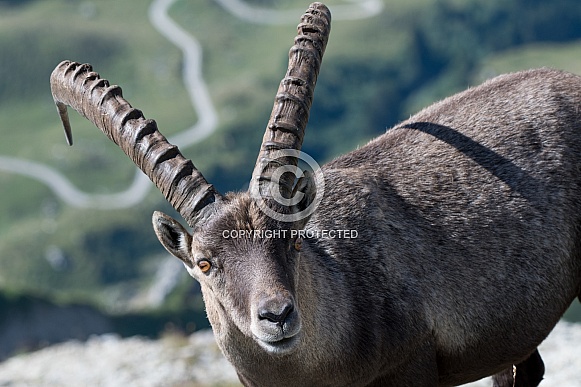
(69, 138)
(64, 116)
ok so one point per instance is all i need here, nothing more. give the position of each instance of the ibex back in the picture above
(441, 252)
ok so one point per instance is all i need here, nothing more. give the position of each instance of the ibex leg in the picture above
(529, 373)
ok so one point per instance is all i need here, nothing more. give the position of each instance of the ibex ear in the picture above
(173, 236)
(307, 188)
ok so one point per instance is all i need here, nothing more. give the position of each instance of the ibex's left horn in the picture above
(76, 85)
(288, 120)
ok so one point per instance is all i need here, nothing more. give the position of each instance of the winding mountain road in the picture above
(358, 9)
(196, 88)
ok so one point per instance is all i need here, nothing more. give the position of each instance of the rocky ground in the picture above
(108, 360)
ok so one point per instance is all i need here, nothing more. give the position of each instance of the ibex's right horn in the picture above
(180, 182)
(288, 120)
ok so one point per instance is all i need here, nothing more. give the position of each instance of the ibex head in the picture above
(248, 279)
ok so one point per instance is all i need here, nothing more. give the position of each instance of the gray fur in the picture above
(468, 222)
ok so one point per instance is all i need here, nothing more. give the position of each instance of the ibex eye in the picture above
(298, 244)
(204, 265)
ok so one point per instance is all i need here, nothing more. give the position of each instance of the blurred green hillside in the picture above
(376, 72)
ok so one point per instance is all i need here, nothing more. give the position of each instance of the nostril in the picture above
(275, 313)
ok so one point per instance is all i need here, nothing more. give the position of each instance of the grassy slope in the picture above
(117, 39)
(563, 56)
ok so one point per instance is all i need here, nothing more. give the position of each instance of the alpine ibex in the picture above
(464, 242)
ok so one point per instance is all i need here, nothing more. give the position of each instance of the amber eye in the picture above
(204, 265)
(298, 244)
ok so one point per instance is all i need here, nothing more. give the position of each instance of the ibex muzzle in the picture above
(275, 322)
(441, 252)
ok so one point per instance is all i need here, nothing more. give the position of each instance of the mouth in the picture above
(280, 347)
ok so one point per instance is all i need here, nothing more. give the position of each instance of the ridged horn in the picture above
(290, 113)
(78, 86)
